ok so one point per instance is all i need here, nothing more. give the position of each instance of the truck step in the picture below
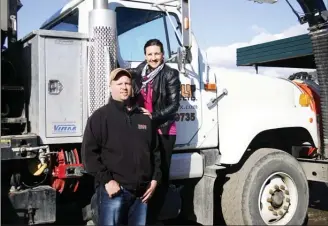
(18, 120)
(12, 88)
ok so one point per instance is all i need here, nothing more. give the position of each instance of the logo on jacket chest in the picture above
(142, 126)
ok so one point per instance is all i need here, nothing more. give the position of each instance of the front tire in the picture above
(270, 189)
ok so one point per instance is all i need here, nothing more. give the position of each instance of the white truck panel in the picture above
(186, 165)
(203, 131)
(255, 104)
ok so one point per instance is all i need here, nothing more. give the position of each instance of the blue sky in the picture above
(227, 21)
(218, 24)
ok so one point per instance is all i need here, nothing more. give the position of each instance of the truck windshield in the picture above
(67, 23)
(136, 26)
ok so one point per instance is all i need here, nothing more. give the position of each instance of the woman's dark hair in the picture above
(154, 42)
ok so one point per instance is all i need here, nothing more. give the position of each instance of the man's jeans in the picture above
(123, 208)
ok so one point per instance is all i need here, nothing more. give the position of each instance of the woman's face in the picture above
(154, 56)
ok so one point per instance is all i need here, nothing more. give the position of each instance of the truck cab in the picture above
(136, 23)
(139, 21)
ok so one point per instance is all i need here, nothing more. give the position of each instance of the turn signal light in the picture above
(210, 86)
(186, 23)
(305, 100)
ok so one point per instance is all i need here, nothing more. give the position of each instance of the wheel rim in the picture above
(278, 199)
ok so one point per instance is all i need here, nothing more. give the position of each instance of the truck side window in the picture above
(136, 26)
(68, 23)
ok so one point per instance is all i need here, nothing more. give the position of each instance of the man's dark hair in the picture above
(154, 42)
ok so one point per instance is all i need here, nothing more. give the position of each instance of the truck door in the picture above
(136, 24)
(139, 22)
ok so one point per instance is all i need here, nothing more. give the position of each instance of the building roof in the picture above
(294, 52)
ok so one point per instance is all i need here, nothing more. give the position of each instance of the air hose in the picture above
(320, 50)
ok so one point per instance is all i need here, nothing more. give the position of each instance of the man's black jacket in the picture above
(166, 94)
(121, 145)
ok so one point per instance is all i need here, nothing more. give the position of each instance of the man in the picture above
(120, 149)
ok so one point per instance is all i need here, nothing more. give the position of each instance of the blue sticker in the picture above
(64, 128)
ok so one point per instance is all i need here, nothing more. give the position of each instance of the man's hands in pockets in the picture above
(112, 188)
(150, 191)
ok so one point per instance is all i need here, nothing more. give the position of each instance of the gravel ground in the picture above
(318, 207)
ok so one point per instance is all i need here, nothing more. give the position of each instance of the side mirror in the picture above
(180, 59)
(183, 57)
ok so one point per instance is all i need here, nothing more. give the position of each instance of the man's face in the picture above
(154, 56)
(121, 88)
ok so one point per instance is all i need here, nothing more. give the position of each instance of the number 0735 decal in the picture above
(185, 116)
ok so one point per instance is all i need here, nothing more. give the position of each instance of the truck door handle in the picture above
(214, 101)
(54, 87)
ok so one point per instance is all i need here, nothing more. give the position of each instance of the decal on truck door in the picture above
(188, 92)
(185, 116)
(188, 117)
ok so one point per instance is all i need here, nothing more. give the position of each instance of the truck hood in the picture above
(255, 104)
(252, 90)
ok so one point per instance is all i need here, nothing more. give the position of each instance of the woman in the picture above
(157, 90)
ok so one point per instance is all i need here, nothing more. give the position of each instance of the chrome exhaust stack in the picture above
(102, 57)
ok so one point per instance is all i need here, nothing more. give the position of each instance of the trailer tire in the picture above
(243, 202)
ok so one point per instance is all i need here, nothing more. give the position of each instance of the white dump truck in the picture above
(246, 145)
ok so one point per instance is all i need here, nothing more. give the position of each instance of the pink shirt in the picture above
(146, 101)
